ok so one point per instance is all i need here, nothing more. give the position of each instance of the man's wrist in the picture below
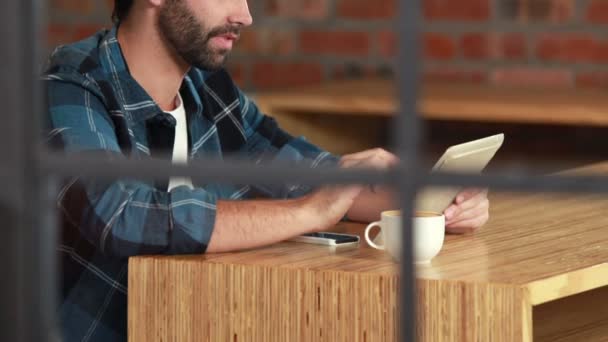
(310, 211)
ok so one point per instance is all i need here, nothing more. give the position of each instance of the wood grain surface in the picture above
(578, 318)
(495, 285)
(219, 302)
(446, 101)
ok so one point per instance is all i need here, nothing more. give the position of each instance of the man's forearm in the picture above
(255, 223)
(368, 205)
(249, 224)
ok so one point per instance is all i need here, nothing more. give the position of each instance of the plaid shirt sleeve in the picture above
(267, 142)
(126, 217)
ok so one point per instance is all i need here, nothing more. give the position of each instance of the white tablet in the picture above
(470, 157)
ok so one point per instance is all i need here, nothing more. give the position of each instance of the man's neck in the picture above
(155, 66)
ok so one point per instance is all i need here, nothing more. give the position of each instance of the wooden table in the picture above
(537, 272)
(348, 116)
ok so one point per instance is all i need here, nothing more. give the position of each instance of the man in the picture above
(152, 87)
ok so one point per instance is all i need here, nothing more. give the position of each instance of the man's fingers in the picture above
(467, 226)
(374, 161)
(469, 212)
(379, 155)
(465, 200)
(478, 211)
(472, 202)
(368, 153)
(468, 193)
(451, 211)
(347, 163)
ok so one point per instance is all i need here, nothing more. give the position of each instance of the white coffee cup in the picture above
(428, 234)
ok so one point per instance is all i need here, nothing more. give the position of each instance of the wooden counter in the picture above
(446, 101)
(350, 116)
(537, 271)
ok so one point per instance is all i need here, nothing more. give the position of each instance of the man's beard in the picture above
(188, 37)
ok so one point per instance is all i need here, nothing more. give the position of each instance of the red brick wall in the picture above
(561, 43)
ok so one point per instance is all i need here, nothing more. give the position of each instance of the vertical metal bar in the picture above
(406, 133)
(12, 319)
(48, 238)
(37, 241)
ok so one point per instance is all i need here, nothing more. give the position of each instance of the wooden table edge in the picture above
(540, 291)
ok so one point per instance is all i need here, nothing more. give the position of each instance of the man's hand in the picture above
(468, 213)
(376, 158)
(331, 203)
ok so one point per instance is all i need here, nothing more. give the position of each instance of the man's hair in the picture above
(121, 9)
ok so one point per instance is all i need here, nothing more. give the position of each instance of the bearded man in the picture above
(154, 86)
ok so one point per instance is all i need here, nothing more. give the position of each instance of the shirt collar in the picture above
(134, 99)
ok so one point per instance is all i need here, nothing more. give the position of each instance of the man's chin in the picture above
(215, 64)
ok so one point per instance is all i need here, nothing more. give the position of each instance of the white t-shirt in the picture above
(180, 145)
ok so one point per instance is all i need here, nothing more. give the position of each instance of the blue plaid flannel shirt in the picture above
(95, 106)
